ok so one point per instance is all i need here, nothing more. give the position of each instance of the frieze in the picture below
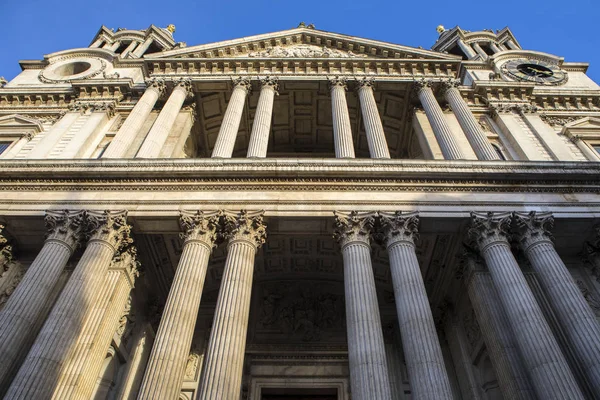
(303, 51)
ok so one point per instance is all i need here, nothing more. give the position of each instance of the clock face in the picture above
(535, 71)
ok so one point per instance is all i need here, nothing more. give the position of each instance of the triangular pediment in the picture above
(582, 127)
(16, 121)
(303, 43)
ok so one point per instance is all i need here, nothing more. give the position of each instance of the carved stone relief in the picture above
(303, 51)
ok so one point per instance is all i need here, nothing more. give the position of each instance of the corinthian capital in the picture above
(533, 228)
(450, 84)
(398, 227)
(270, 81)
(5, 250)
(422, 84)
(353, 227)
(242, 82)
(245, 226)
(365, 82)
(338, 81)
(66, 227)
(490, 228)
(184, 83)
(199, 226)
(110, 227)
(157, 84)
(126, 260)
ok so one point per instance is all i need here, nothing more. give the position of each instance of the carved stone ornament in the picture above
(472, 329)
(9, 289)
(270, 81)
(533, 228)
(420, 84)
(246, 226)
(126, 321)
(490, 228)
(158, 84)
(507, 108)
(591, 299)
(69, 68)
(110, 227)
(5, 250)
(557, 121)
(96, 106)
(399, 227)
(337, 81)
(450, 84)
(114, 75)
(304, 51)
(185, 83)
(469, 263)
(353, 227)
(365, 82)
(199, 226)
(127, 260)
(65, 226)
(192, 365)
(242, 82)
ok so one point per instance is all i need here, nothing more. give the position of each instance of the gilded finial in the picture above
(171, 28)
(440, 29)
(301, 25)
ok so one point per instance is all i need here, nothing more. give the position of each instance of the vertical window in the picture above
(4, 146)
(500, 154)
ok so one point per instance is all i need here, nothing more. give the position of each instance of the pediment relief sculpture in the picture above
(304, 51)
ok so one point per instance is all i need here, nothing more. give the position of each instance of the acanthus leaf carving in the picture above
(110, 227)
(489, 228)
(399, 227)
(353, 227)
(65, 226)
(246, 226)
(533, 228)
(199, 226)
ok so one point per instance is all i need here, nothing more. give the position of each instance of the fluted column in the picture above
(166, 367)
(477, 138)
(27, 303)
(342, 131)
(435, 115)
(80, 372)
(466, 48)
(259, 138)
(378, 147)
(547, 367)
(161, 128)
(575, 316)
(231, 120)
(497, 333)
(369, 377)
(422, 351)
(39, 373)
(117, 148)
(222, 377)
(141, 49)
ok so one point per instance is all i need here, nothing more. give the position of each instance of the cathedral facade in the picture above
(300, 215)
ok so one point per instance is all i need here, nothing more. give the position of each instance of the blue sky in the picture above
(33, 28)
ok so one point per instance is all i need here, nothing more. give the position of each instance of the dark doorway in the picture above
(299, 394)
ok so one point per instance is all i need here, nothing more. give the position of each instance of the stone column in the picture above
(40, 371)
(25, 306)
(113, 46)
(511, 45)
(378, 147)
(369, 377)
(117, 148)
(495, 47)
(162, 126)
(97, 43)
(480, 51)
(259, 138)
(496, 331)
(80, 371)
(422, 351)
(476, 136)
(141, 49)
(231, 120)
(573, 312)
(547, 367)
(435, 115)
(224, 360)
(466, 48)
(342, 131)
(129, 49)
(166, 367)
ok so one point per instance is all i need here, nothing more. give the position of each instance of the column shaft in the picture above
(467, 49)
(477, 138)
(498, 338)
(574, 314)
(159, 132)
(495, 47)
(548, 369)
(129, 49)
(422, 351)
(378, 147)
(166, 367)
(134, 122)
(480, 51)
(231, 121)
(39, 373)
(20, 316)
(441, 129)
(141, 49)
(342, 131)
(261, 128)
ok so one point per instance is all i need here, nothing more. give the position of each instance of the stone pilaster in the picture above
(422, 351)
(576, 317)
(231, 120)
(496, 331)
(547, 367)
(40, 371)
(222, 377)
(435, 115)
(342, 131)
(26, 305)
(378, 147)
(81, 370)
(166, 367)
(117, 148)
(476, 136)
(162, 126)
(259, 138)
(369, 377)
